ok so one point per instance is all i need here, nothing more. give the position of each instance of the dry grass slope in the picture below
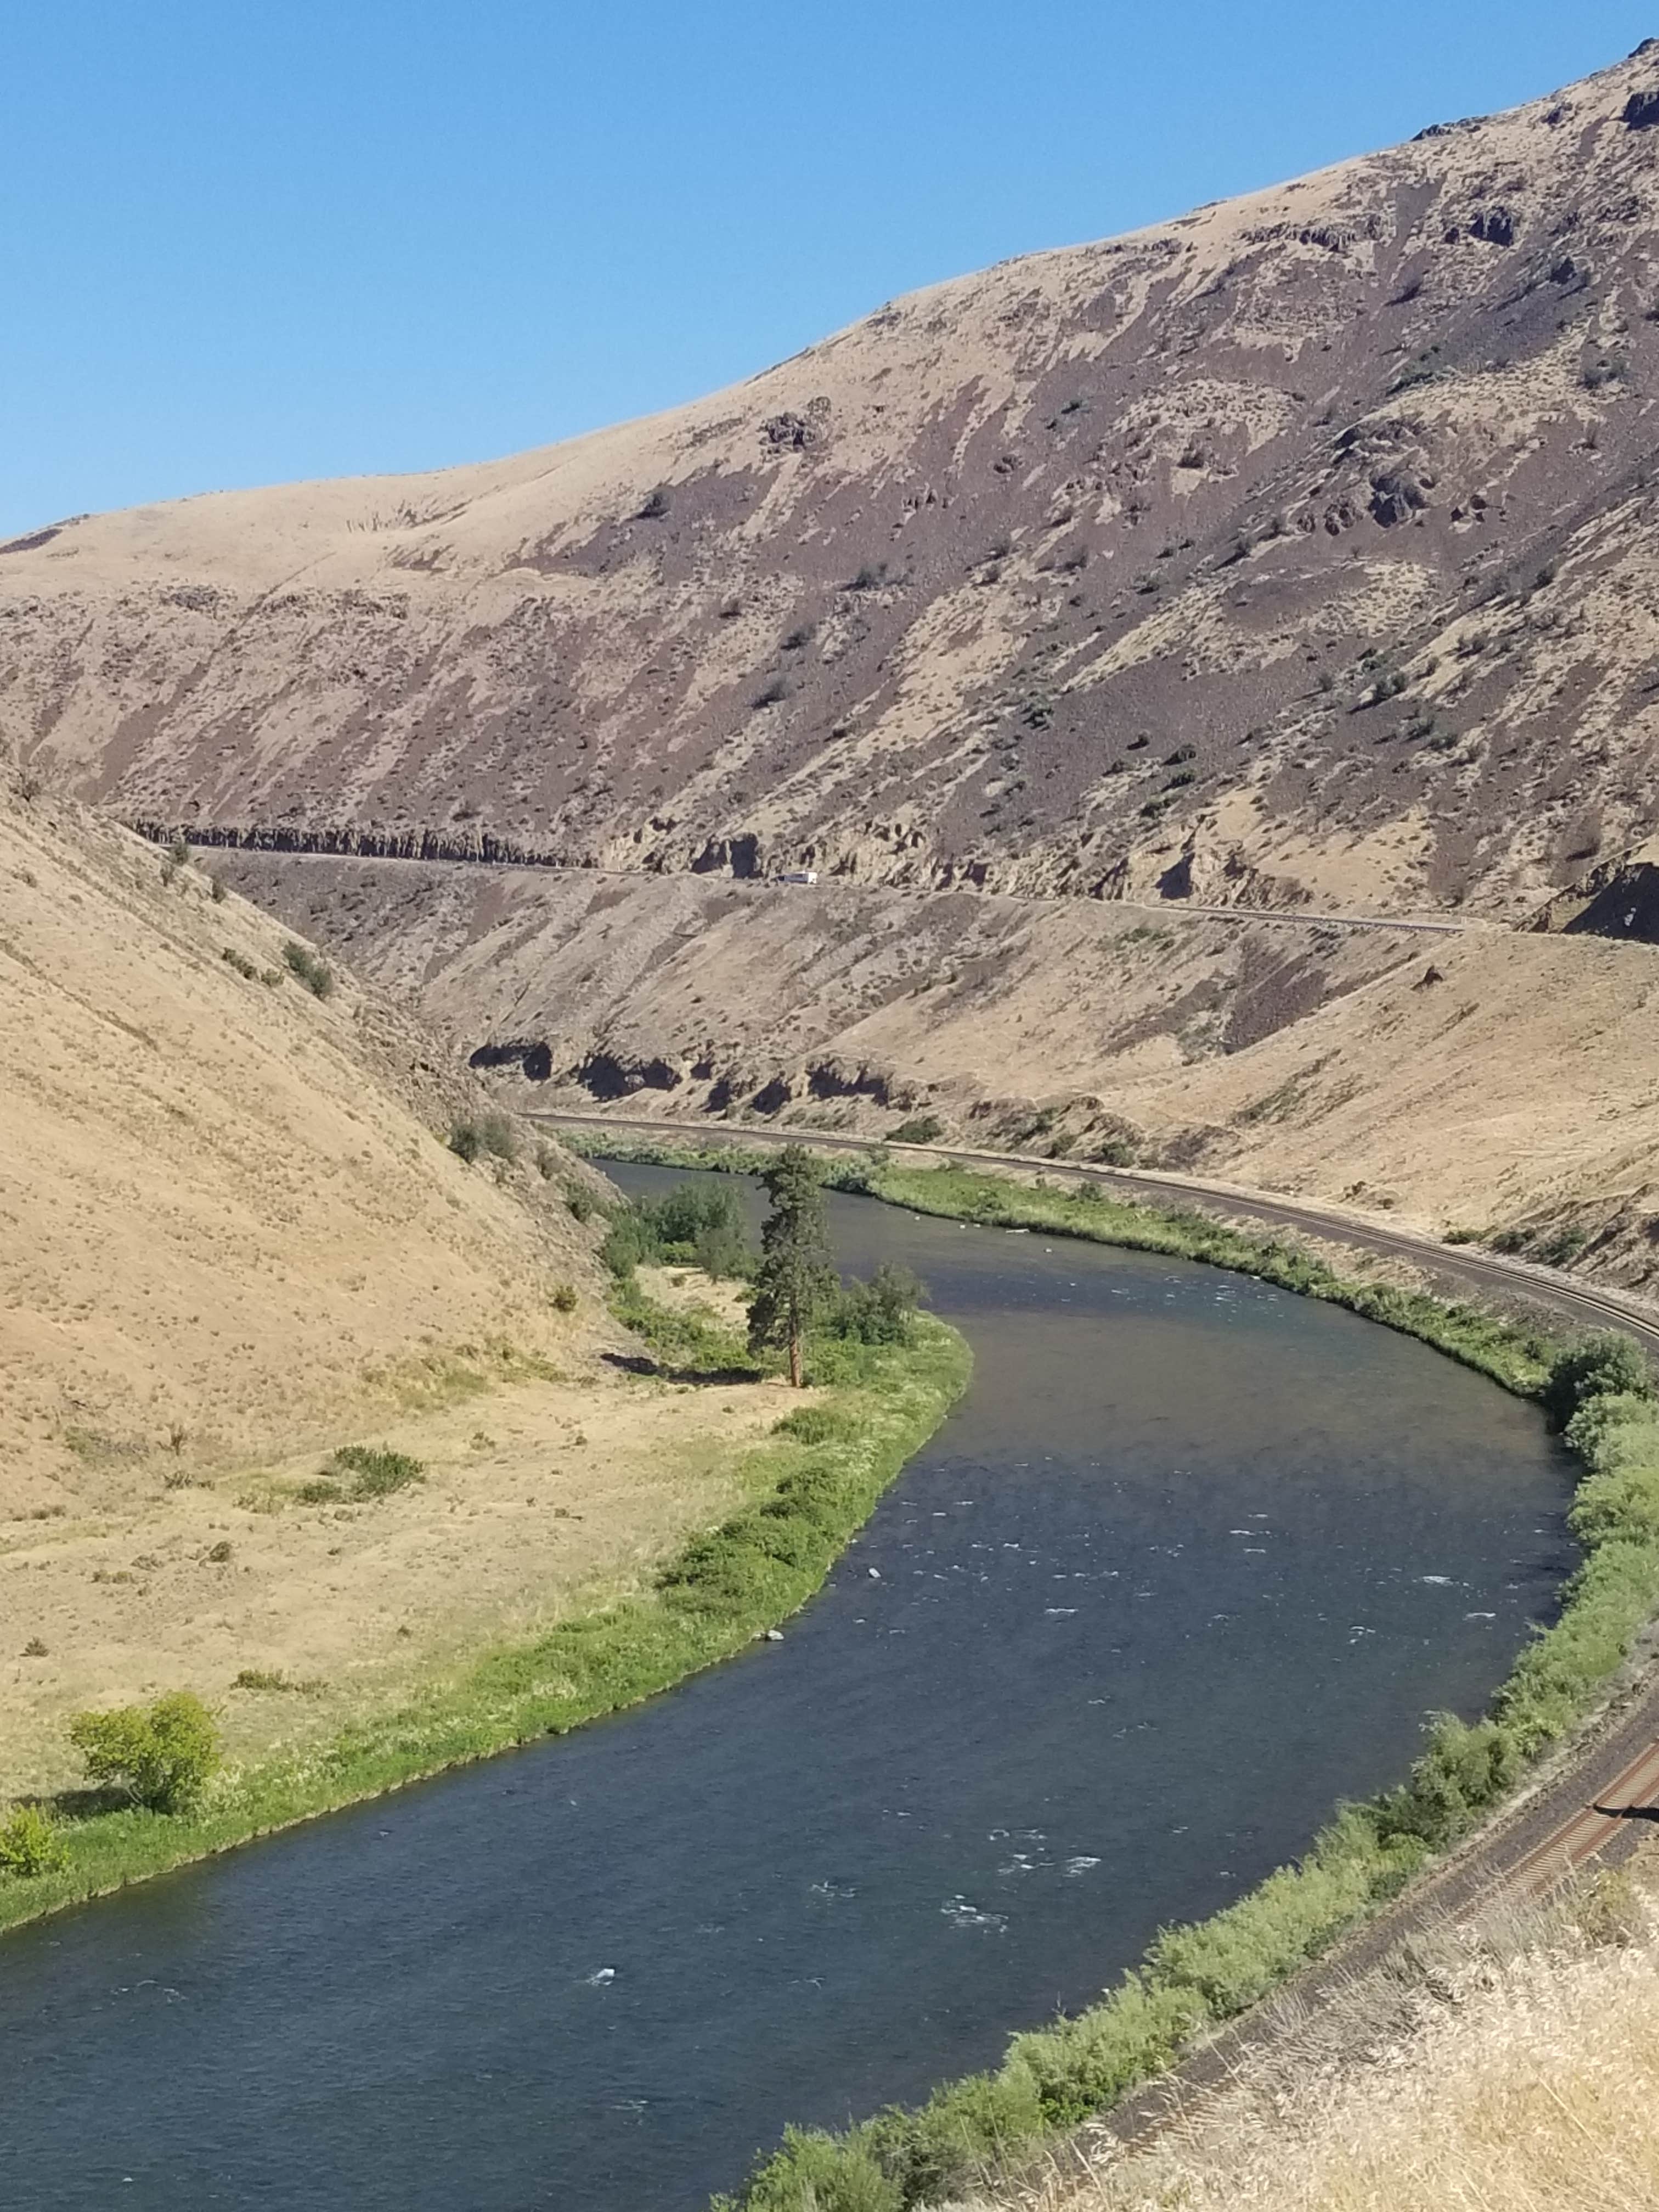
(232, 1240)
(1521, 2083)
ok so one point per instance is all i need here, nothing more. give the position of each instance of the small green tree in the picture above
(796, 1278)
(162, 1758)
(30, 1844)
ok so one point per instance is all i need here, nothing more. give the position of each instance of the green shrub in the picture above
(304, 965)
(564, 1297)
(882, 1310)
(582, 1204)
(320, 1491)
(697, 1224)
(922, 1129)
(465, 1142)
(30, 1844)
(376, 1472)
(160, 1757)
(243, 966)
(815, 2172)
(815, 1424)
(1605, 1364)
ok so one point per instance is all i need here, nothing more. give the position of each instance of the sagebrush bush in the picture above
(491, 1132)
(304, 966)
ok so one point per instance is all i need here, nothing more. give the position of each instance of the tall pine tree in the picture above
(796, 1278)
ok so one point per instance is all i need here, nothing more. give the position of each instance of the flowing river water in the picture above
(1189, 1563)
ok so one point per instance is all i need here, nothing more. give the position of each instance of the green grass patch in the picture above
(807, 1491)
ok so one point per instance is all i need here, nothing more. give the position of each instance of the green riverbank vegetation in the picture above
(1598, 1393)
(879, 1386)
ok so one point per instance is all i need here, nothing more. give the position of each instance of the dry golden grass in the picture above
(232, 1239)
(1510, 2080)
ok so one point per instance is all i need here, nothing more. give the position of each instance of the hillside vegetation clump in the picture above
(309, 969)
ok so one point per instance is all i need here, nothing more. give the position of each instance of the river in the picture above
(1189, 1563)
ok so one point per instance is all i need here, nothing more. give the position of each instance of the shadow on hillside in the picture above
(667, 1370)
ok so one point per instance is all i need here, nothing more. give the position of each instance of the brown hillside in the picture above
(232, 1240)
(1061, 577)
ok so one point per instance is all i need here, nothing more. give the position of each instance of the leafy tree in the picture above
(796, 1280)
(1606, 1364)
(30, 1844)
(162, 1758)
(882, 1310)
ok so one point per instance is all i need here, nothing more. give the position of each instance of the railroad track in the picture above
(1456, 1263)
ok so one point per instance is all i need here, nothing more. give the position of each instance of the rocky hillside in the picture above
(1300, 550)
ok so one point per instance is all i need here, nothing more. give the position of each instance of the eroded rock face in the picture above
(902, 610)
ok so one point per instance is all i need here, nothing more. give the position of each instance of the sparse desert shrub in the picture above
(216, 889)
(262, 1678)
(799, 636)
(35, 1649)
(162, 1756)
(491, 1132)
(376, 1472)
(241, 963)
(770, 695)
(30, 1844)
(303, 964)
(870, 577)
(582, 1203)
(498, 1137)
(219, 1554)
(920, 1129)
(564, 1297)
(321, 1490)
(656, 505)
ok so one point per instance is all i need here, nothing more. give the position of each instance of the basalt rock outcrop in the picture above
(1315, 530)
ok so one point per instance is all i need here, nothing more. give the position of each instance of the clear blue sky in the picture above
(248, 239)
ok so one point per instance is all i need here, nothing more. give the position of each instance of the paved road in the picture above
(1170, 909)
(1555, 1293)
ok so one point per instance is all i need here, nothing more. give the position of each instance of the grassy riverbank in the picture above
(806, 1489)
(1194, 1977)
